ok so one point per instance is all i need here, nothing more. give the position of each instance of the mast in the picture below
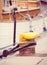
(14, 18)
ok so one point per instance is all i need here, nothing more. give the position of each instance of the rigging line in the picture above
(40, 61)
(43, 15)
(29, 18)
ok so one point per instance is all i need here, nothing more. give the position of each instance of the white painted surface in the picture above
(6, 33)
(20, 60)
(42, 44)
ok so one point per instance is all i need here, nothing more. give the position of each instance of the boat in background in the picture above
(30, 7)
